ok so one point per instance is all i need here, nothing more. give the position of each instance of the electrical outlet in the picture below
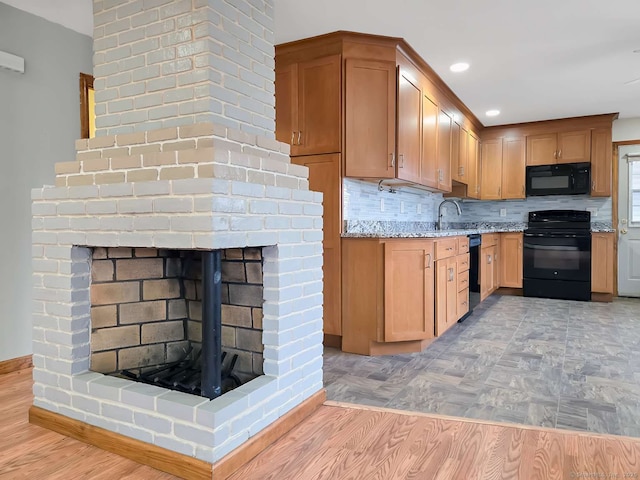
(503, 212)
(419, 209)
(382, 204)
(593, 210)
(401, 207)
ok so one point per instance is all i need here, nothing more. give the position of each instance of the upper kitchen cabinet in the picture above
(308, 106)
(409, 126)
(503, 168)
(473, 166)
(429, 160)
(444, 150)
(601, 162)
(491, 172)
(562, 147)
(370, 116)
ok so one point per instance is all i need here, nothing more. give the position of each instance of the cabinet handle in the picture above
(488, 258)
(593, 185)
(451, 274)
(463, 303)
(293, 138)
(555, 154)
(393, 160)
(299, 137)
(401, 160)
(559, 153)
(461, 171)
(523, 190)
(427, 259)
(499, 191)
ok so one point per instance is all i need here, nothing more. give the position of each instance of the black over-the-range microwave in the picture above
(559, 179)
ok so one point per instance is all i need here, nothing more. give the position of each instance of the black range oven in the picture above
(557, 255)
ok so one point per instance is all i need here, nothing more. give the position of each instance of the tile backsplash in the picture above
(362, 202)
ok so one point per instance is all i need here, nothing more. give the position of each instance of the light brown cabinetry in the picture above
(429, 161)
(503, 168)
(511, 260)
(370, 100)
(601, 162)
(452, 281)
(473, 166)
(602, 259)
(562, 147)
(388, 293)
(308, 106)
(409, 127)
(324, 176)
(444, 151)
(489, 265)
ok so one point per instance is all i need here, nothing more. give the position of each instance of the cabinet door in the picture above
(542, 149)
(574, 147)
(473, 167)
(409, 128)
(429, 162)
(370, 118)
(446, 294)
(319, 112)
(286, 103)
(491, 173)
(455, 152)
(602, 258)
(513, 167)
(444, 152)
(324, 176)
(463, 156)
(486, 271)
(496, 268)
(601, 162)
(408, 291)
(511, 260)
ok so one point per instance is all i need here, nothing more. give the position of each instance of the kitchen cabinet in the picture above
(602, 261)
(324, 176)
(601, 162)
(459, 152)
(429, 162)
(491, 172)
(473, 166)
(560, 147)
(511, 260)
(489, 265)
(452, 281)
(370, 100)
(444, 151)
(503, 168)
(388, 295)
(308, 106)
(409, 126)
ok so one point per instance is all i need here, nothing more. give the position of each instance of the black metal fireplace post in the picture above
(211, 385)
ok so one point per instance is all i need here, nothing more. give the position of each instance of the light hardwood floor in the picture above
(340, 442)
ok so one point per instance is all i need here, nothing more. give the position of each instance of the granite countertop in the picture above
(389, 229)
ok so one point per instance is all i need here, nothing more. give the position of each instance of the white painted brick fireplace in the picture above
(184, 182)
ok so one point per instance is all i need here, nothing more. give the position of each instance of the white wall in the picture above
(626, 129)
(39, 122)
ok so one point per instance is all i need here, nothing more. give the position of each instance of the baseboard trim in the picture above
(602, 297)
(167, 461)
(15, 364)
(333, 341)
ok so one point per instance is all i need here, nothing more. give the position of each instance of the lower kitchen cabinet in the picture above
(489, 266)
(511, 260)
(452, 281)
(602, 259)
(387, 295)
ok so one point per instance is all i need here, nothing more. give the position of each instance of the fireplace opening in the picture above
(185, 320)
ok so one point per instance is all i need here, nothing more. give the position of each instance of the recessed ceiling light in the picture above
(492, 113)
(459, 67)
(637, 50)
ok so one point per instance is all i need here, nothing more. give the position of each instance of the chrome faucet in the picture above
(439, 222)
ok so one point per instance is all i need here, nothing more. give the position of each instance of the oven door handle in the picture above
(556, 235)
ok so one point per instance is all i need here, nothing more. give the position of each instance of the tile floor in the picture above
(552, 363)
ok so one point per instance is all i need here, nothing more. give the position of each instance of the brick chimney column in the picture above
(165, 63)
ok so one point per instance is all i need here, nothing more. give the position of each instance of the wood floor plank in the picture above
(338, 442)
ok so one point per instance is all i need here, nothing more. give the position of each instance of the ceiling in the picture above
(532, 60)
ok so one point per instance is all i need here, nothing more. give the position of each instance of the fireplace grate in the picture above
(185, 375)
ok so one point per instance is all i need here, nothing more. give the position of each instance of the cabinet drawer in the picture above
(463, 244)
(463, 280)
(463, 262)
(446, 247)
(489, 239)
(463, 302)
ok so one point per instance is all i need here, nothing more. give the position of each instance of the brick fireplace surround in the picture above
(185, 181)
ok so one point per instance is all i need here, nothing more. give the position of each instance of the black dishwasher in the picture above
(475, 240)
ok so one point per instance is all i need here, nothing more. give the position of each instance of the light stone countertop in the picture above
(374, 229)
